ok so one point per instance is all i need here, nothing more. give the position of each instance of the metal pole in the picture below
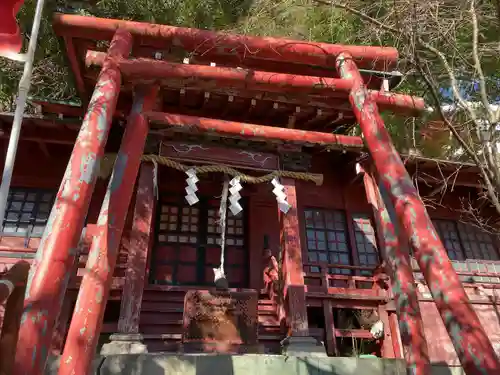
(55, 256)
(396, 256)
(87, 318)
(471, 343)
(22, 95)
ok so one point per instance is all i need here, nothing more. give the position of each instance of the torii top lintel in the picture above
(289, 72)
(222, 46)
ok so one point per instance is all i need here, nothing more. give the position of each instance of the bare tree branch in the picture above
(477, 62)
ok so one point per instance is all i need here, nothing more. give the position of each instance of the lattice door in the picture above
(187, 244)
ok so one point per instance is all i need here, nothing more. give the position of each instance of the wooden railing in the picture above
(12, 288)
(470, 271)
(335, 286)
(338, 286)
(343, 279)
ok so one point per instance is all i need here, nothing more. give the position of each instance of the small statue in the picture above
(271, 275)
(377, 330)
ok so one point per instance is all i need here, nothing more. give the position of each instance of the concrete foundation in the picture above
(171, 364)
(302, 346)
(124, 344)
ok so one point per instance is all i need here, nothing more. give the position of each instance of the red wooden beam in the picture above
(222, 45)
(86, 323)
(194, 124)
(56, 254)
(140, 244)
(250, 62)
(46, 135)
(210, 154)
(358, 333)
(208, 77)
(313, 90)
(471, 342)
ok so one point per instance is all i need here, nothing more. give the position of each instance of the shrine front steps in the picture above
(161, 323)
(200, 364)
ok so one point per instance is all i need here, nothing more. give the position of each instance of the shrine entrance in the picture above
(187, 244)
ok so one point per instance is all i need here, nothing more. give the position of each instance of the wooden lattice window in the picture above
(188, 241)
(178, 224)
(234, 228)
(27, 212)
(327, 239)
(366, 244)
(477, 244)
(448, 233)
(464, 241)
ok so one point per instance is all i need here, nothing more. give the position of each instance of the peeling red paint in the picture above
(87, 318)
(258, 132)
(140, 240)
(55, 258)
(403, 284)
(222, 45)
(300, 89)
(471, 343)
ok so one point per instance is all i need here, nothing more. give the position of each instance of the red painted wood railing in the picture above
(12, 288)
(339, 283)
(355, 292)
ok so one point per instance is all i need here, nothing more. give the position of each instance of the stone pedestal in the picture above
(302, 346)
(220, 321)
(124, 344)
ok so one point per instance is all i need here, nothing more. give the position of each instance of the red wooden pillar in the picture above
(387, 342)
(62, 326)
(66, 310)
(471, 343)
(87, 318)
(331, 339)
(292, 258)
(55, 257)
(396, 336)
(398, 266)
(12, 289)
(140, 245)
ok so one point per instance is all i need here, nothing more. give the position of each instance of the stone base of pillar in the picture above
(302, 346)
(121, 343)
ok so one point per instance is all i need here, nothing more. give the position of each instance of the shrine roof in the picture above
(209, 74)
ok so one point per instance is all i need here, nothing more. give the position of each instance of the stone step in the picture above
(262, 364)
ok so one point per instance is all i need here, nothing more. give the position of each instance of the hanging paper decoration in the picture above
(191, 189)
(279, 192)
(235, 196)
(155, 179)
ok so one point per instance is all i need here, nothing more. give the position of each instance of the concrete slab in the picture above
(259, 364)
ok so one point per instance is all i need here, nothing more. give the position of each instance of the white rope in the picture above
(222, 221)
(8, 284)
(155, 179)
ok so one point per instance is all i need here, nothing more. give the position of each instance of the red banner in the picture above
(10, 35)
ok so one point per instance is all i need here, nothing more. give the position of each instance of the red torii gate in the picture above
(55, 256)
